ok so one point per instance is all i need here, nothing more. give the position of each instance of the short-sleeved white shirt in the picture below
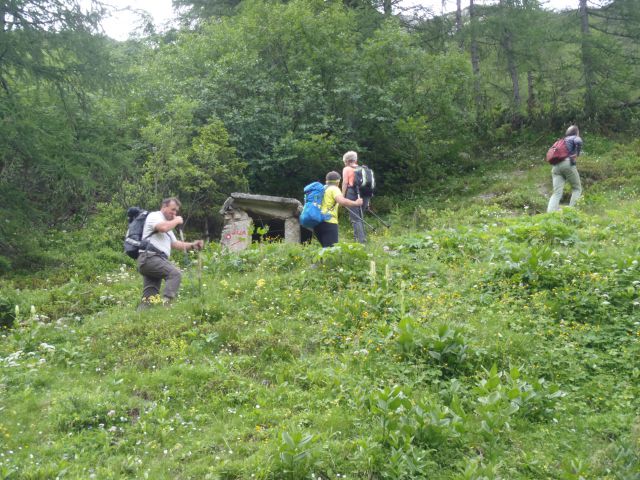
(162, 241)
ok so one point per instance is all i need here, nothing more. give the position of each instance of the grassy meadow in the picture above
(477, 338)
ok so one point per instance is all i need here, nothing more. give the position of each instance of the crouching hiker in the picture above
(327, 231)
(153, 262)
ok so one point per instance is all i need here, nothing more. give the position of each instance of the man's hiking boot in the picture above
(144, 304)
(166, 302)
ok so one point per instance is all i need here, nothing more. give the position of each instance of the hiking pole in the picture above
(186, 255)
(360, 207)
(381, 221)
(186, 259)
(363, 220)
(361, 217)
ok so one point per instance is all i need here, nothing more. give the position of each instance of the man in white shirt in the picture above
(153, 262)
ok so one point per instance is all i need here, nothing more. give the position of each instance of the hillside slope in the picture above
(471, 340)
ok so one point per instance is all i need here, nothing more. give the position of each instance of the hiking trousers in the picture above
(326, 233)
(561, 173)
(356, 215)
(154, 268)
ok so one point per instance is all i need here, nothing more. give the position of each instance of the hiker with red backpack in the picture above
(562, 155)
(353, 176)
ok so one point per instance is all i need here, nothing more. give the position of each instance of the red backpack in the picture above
(558, 152)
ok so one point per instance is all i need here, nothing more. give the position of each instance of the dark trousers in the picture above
(356, 215)
(327, 234)
(154, 268)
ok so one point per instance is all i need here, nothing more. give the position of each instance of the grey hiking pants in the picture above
(356, 215)
(154, 268)
(561, 173)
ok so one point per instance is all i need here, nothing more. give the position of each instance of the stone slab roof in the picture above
(269, 206)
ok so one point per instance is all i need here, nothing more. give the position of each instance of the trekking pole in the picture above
(381, 221)
(186, 255)
(361, 217)
(364, 221)
(360, 207)
(186, 258)
(199, 263)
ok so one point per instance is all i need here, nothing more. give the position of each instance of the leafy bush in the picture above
(539, 268)
(502, 395)
(7, 312)
(545, 229)
(345, 261)
(5, 264)
(446, 347)
(297, 455)
(436, 425)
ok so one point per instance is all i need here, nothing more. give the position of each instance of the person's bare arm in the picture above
(179, 245)
(345, 202)
(168, 225)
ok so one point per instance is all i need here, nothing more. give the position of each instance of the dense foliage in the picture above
(266, 96)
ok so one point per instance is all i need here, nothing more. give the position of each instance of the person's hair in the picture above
(333, 177)
(572, 130)
(350, 157)
(167, 201)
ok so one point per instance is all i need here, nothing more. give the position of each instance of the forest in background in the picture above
(265, 96)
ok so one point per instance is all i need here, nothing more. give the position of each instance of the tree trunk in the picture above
(386, 5)
(459, 24)
(3, 25)
(506, 42)
(475, 59)
(531, 99)
(507, 46)
(587, 61)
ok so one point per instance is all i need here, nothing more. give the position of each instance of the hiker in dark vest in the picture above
(327, 231)
(350, 191)
(566, 171)
(153, 263)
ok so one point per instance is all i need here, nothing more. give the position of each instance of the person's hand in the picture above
(198, 245)
(178, 220)
(359, 202)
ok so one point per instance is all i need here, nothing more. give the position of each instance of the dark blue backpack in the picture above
(312, 215)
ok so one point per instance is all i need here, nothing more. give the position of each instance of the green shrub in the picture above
(538, 268)
(446, 347)
(545, 229)
(7, 312)
(345, 261)
(297, 455)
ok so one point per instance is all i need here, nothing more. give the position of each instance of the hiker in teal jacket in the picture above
(566, 171)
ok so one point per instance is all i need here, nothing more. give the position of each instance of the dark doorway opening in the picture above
(274, 226)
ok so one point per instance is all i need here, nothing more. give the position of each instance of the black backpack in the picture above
(365, 181)
(133, 241)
